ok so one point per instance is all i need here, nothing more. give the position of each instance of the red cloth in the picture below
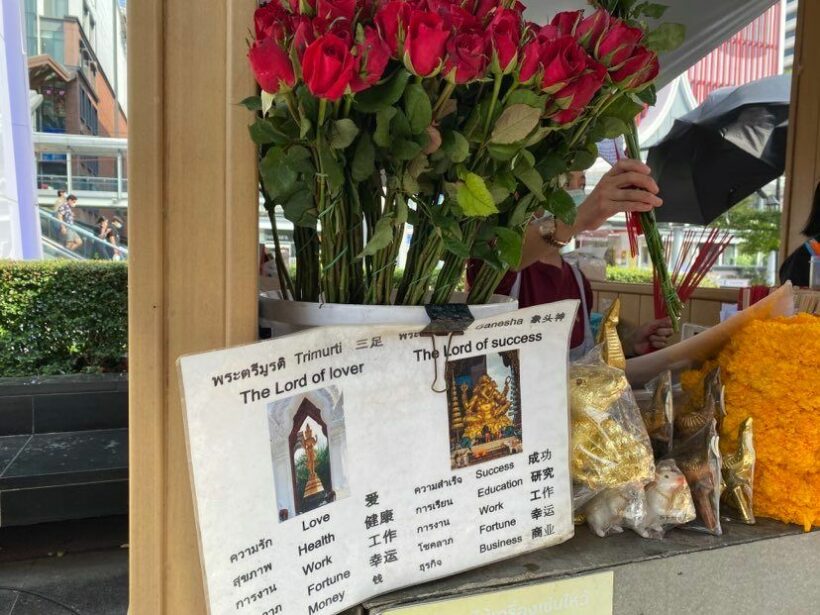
(542, 283)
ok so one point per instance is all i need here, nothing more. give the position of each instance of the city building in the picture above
(789, 9)
(77, 59)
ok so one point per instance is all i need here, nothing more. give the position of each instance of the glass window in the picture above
(53, 39)
(88, 113)
(31, 27)
(55, 8)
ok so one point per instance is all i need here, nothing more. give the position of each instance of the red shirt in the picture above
(542, 283)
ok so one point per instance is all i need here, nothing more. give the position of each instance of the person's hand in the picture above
(63, 229)
(627, 186)
(650, 336)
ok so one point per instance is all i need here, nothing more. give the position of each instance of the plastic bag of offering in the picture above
(667, 502)
(612, 510)
(739, 475)
(699, 459)
(658, 416)
(610, 446)
(701, 408)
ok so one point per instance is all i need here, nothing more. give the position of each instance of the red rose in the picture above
(456, 17)
(579, 92)
(304, 34)
(638, 70)
(466, 57)
(327, 67)
(271, 66)
(271, 20)
(530, 62)
(563, 60)
(391, 20)
(547, 34)
(505, 36)
(304, 7)
(373, 54)
(425, 43)
(617, 44)
(482, 8)
(335, 9)
(590, 29)
(566, 22)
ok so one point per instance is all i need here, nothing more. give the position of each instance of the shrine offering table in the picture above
(767, 568)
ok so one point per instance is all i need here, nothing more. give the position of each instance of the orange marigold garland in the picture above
(771, 370)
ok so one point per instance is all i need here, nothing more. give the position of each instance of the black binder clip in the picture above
(449, 319)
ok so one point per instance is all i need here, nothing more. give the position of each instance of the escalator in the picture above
(92, 247)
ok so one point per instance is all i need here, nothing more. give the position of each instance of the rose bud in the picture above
(638, 70)
(466, 57)
(425, 44)
(304, 34)
(391, 20)
(271, 20)
(617, 44)
(566, 22)
(336, 9)
(505, 35)
(573, 98)
(373, 54)
(482, 8)
(271, 66)
(591, 28)
(563, 60)
(327, 67)
(530, 62)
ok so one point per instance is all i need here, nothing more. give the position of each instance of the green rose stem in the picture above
(285, 283)
(654, 245)
(306, 244)
(453, 268)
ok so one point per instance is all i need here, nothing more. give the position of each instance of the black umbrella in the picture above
(722, 151)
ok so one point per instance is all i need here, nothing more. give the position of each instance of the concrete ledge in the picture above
(767, 568)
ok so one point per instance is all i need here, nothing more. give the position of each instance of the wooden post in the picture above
(193, 258)
(803, 152)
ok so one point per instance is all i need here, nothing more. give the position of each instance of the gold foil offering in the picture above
(738, 474)
(604, 453)
(612, 351)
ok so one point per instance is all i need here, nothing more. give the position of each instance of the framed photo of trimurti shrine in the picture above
(340, 463)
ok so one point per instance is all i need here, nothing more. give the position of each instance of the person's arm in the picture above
(626, 187)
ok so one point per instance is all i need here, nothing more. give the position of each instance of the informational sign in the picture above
(585, 595)
(344, 462)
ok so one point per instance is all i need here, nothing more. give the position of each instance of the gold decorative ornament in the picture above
(738, 473)
(314, 483)
(612, 351)
(604, 453)
(486, 410)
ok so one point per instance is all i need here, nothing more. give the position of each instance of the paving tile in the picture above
(99, 498)
(80, 411)
(64, 457)
(9, 447)
(7, 600)
(15, 416)
(92, 583)
(29, 604)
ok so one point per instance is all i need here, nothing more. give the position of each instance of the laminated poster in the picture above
(340, 463)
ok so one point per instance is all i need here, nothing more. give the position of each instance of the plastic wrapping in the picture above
(739, 475)
(612, 510)
(666, 502)
(610, 446)
(699, 459)
(658, 416)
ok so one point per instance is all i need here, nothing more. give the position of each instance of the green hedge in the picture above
(634, 275)
(61, 317)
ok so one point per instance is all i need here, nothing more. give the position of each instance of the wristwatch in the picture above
(546, 228)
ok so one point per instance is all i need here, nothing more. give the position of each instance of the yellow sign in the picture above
(587, 595)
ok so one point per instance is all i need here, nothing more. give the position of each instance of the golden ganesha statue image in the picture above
(486, 410)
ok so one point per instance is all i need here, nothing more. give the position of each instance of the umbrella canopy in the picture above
(722, 151)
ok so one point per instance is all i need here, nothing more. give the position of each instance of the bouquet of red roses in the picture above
(459, 117)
